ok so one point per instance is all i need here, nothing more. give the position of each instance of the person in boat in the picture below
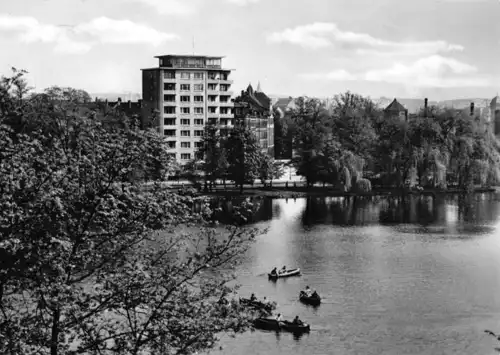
(274, 271)
(265, 301)
(297, 321)
(278, 317)
(315, 294)
(308, 291)
(283, 269)
(253, 297)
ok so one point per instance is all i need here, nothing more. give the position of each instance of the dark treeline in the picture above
(353, 144)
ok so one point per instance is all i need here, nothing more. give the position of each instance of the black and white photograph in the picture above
(247, 177)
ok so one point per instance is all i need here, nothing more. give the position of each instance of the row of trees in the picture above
(353, 144)
(235, 156)
(90, 262)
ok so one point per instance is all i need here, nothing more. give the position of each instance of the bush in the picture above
(363, 185)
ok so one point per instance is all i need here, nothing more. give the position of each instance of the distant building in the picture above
(254, 109)
(395, 109)
(189, 91)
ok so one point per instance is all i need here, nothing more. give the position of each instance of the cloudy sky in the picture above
(440, 49)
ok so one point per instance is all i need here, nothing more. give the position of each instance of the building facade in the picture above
(186, 92)
(254, 109)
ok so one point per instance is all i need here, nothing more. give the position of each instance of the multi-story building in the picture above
(189, 91)
(254, 109)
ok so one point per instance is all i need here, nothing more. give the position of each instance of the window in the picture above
(198, 99)
(212, 76)
(198, 144)
(184, 75)
(198, 110)
(224, 99)
(223, 88)
(185, 98)
(185, 87)
(185, 110)
(224, 76)
(169, 87)
(212, 98)
(169, 75)
(212, 110)
(169, 121)
(185, 156)
(198, 75)
(185, 134)
(185, 121)
(198, 122)
(198, 87)
(169, 98)
(185, 144)
(169, 132)
(224, 110)
(223, 122)
(198, 133)
(171, 144)
(212, 87)
(169, 110)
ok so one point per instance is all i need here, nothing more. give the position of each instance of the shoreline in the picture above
(276, 193)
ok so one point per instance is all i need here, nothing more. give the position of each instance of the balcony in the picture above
(227, 81)
(169, 80)
(169, 115)
(226, 104)
(226, 115)
(169, 92)
(226, 93)
(185, 103)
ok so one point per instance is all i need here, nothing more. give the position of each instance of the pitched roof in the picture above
(263, 99)
(395, 106)
(283, 103)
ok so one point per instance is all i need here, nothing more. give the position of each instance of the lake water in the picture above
(413, 276)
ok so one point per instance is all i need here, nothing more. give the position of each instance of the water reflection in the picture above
(358, 210)
(413, 275)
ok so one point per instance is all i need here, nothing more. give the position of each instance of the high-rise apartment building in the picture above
(189, 91)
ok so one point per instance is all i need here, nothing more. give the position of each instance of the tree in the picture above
(213, 150)
(67, 94)
(269, 168)
(312, 130)
(89, 261)
(243, 156)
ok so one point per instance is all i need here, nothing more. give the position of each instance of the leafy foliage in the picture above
(435, 149)
(92, 262)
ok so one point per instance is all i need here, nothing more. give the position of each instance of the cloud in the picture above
(243, 2)
(433, 71)
(82, 37)
(336, 75)
(170, 7)
(322, 34)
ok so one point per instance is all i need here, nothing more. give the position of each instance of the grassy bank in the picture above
(278, 192)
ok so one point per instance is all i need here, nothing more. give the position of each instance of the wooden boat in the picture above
(313, 300)
(268, 307)
(295, 328)
(273, 324)
(287, 273)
